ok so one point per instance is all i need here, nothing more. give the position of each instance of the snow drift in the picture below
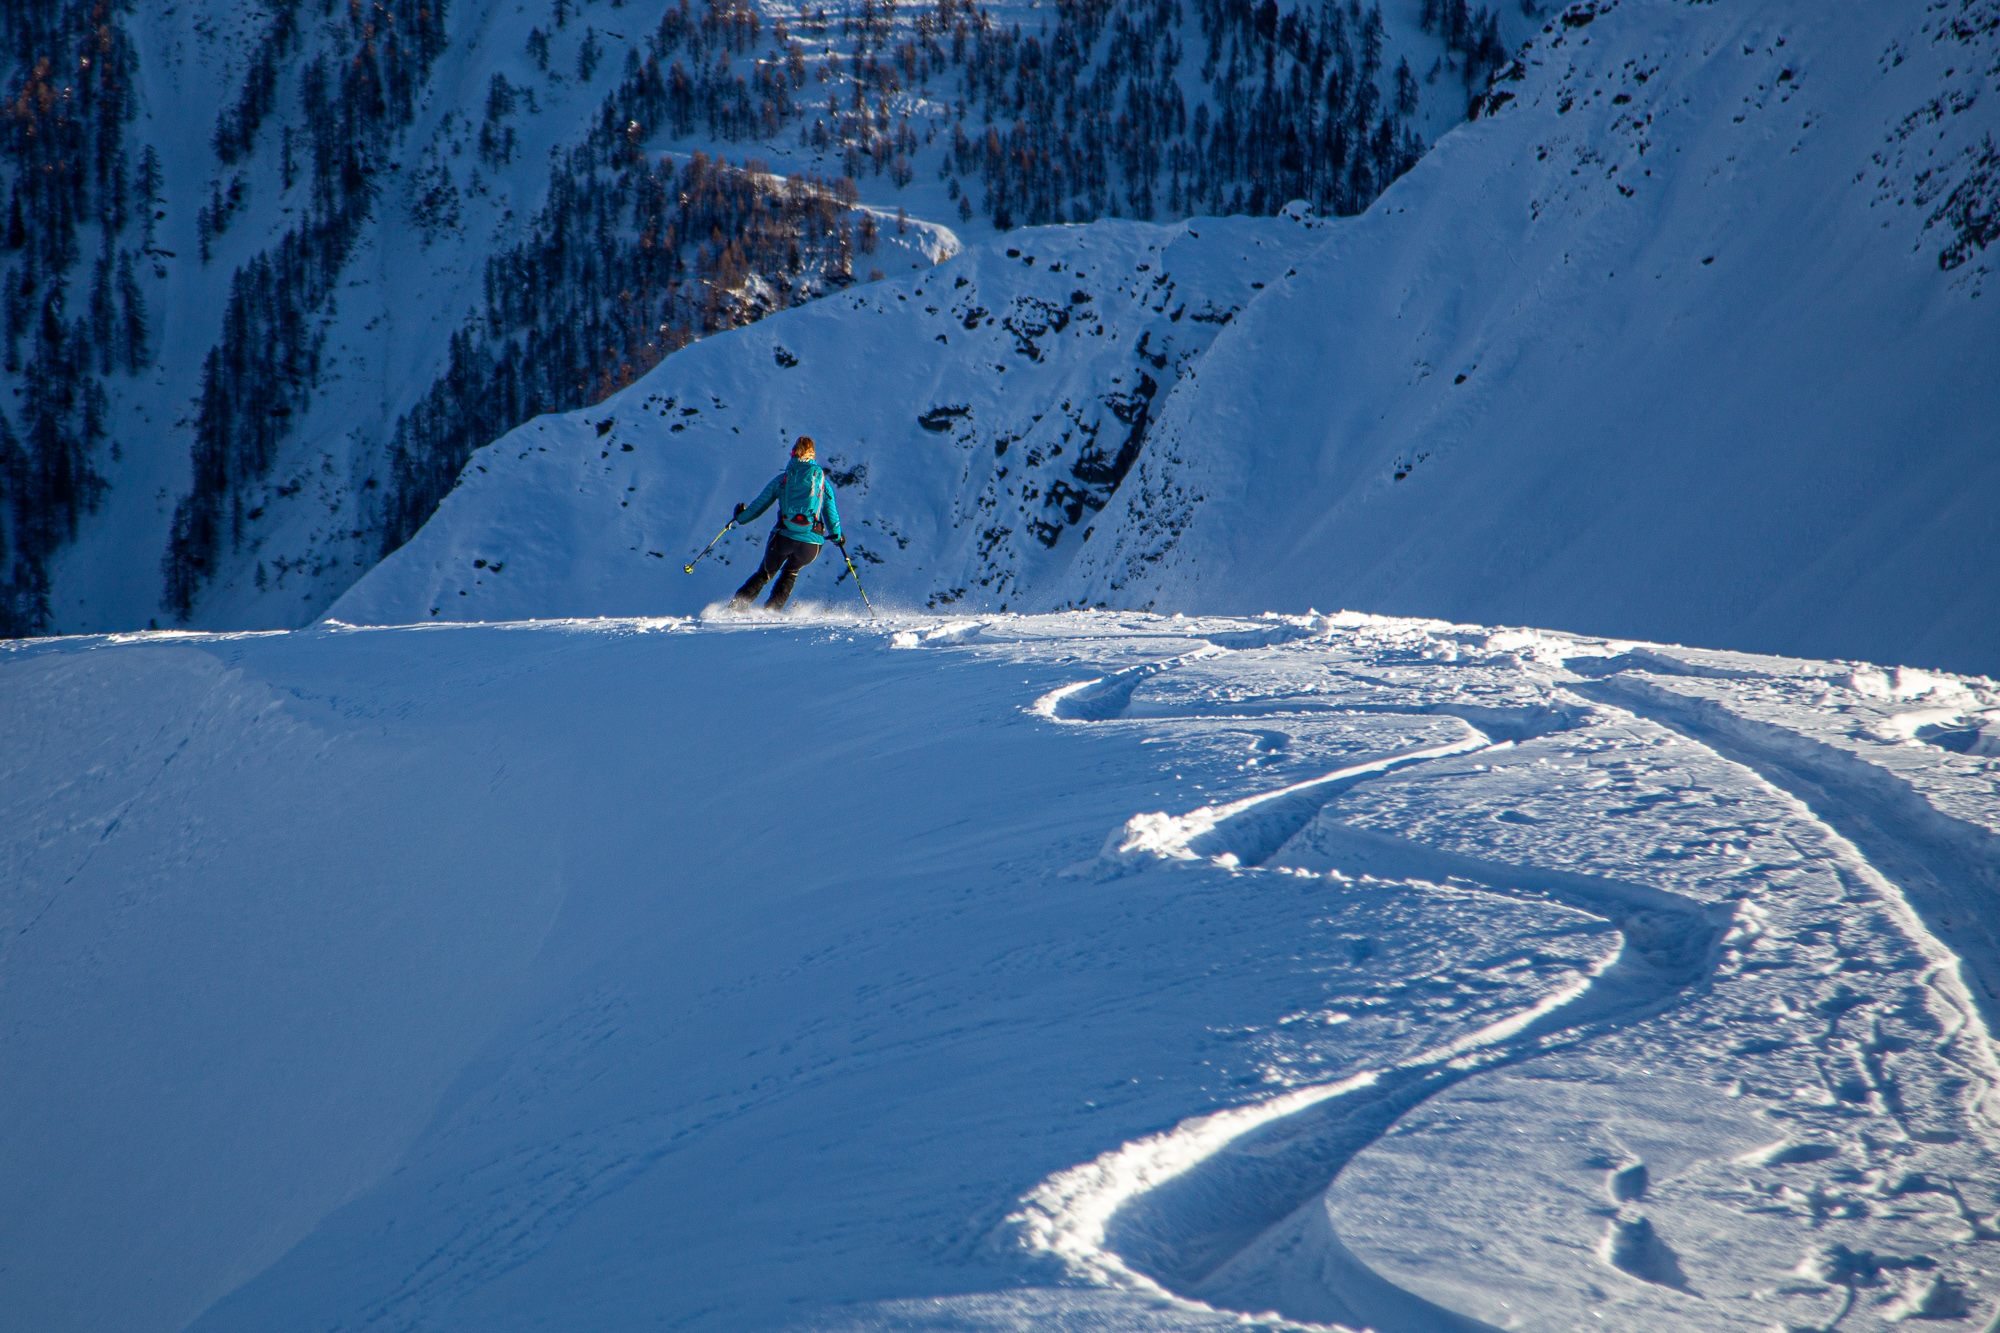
(1683, 339)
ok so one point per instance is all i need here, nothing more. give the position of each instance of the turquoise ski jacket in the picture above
(807, 504)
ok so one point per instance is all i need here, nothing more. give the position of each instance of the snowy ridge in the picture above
(1432, 976)
(1677, 341)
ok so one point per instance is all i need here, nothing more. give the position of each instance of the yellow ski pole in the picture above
(688, 568)
(857, 580)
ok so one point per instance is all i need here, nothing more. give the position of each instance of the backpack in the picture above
(802, 500)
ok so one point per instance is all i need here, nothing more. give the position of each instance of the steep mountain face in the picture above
(275, 268)
(1683, 337)
(1690, 336)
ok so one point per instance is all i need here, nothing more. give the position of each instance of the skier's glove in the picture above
(841, 542)
(738, 517)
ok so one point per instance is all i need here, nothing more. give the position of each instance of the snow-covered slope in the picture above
(1665, 344)
(1661, 347)
(437, 208)
(249, 348)
(1083, 971)
(976, 419)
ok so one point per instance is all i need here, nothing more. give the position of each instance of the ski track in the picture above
(1171, 1215)
(1947, 869)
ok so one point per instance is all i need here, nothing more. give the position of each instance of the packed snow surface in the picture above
(1077, 971)
(1687, 338)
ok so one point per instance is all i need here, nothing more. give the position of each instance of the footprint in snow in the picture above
(1631, 1245)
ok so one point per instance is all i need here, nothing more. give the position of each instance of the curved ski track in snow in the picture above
(1170, 1213)
(1941, 874)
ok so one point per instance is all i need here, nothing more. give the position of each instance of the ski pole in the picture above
(857, 579)
(688, 568)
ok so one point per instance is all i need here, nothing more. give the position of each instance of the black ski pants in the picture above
(785, 557)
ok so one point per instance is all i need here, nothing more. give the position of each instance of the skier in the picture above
(807, 517)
